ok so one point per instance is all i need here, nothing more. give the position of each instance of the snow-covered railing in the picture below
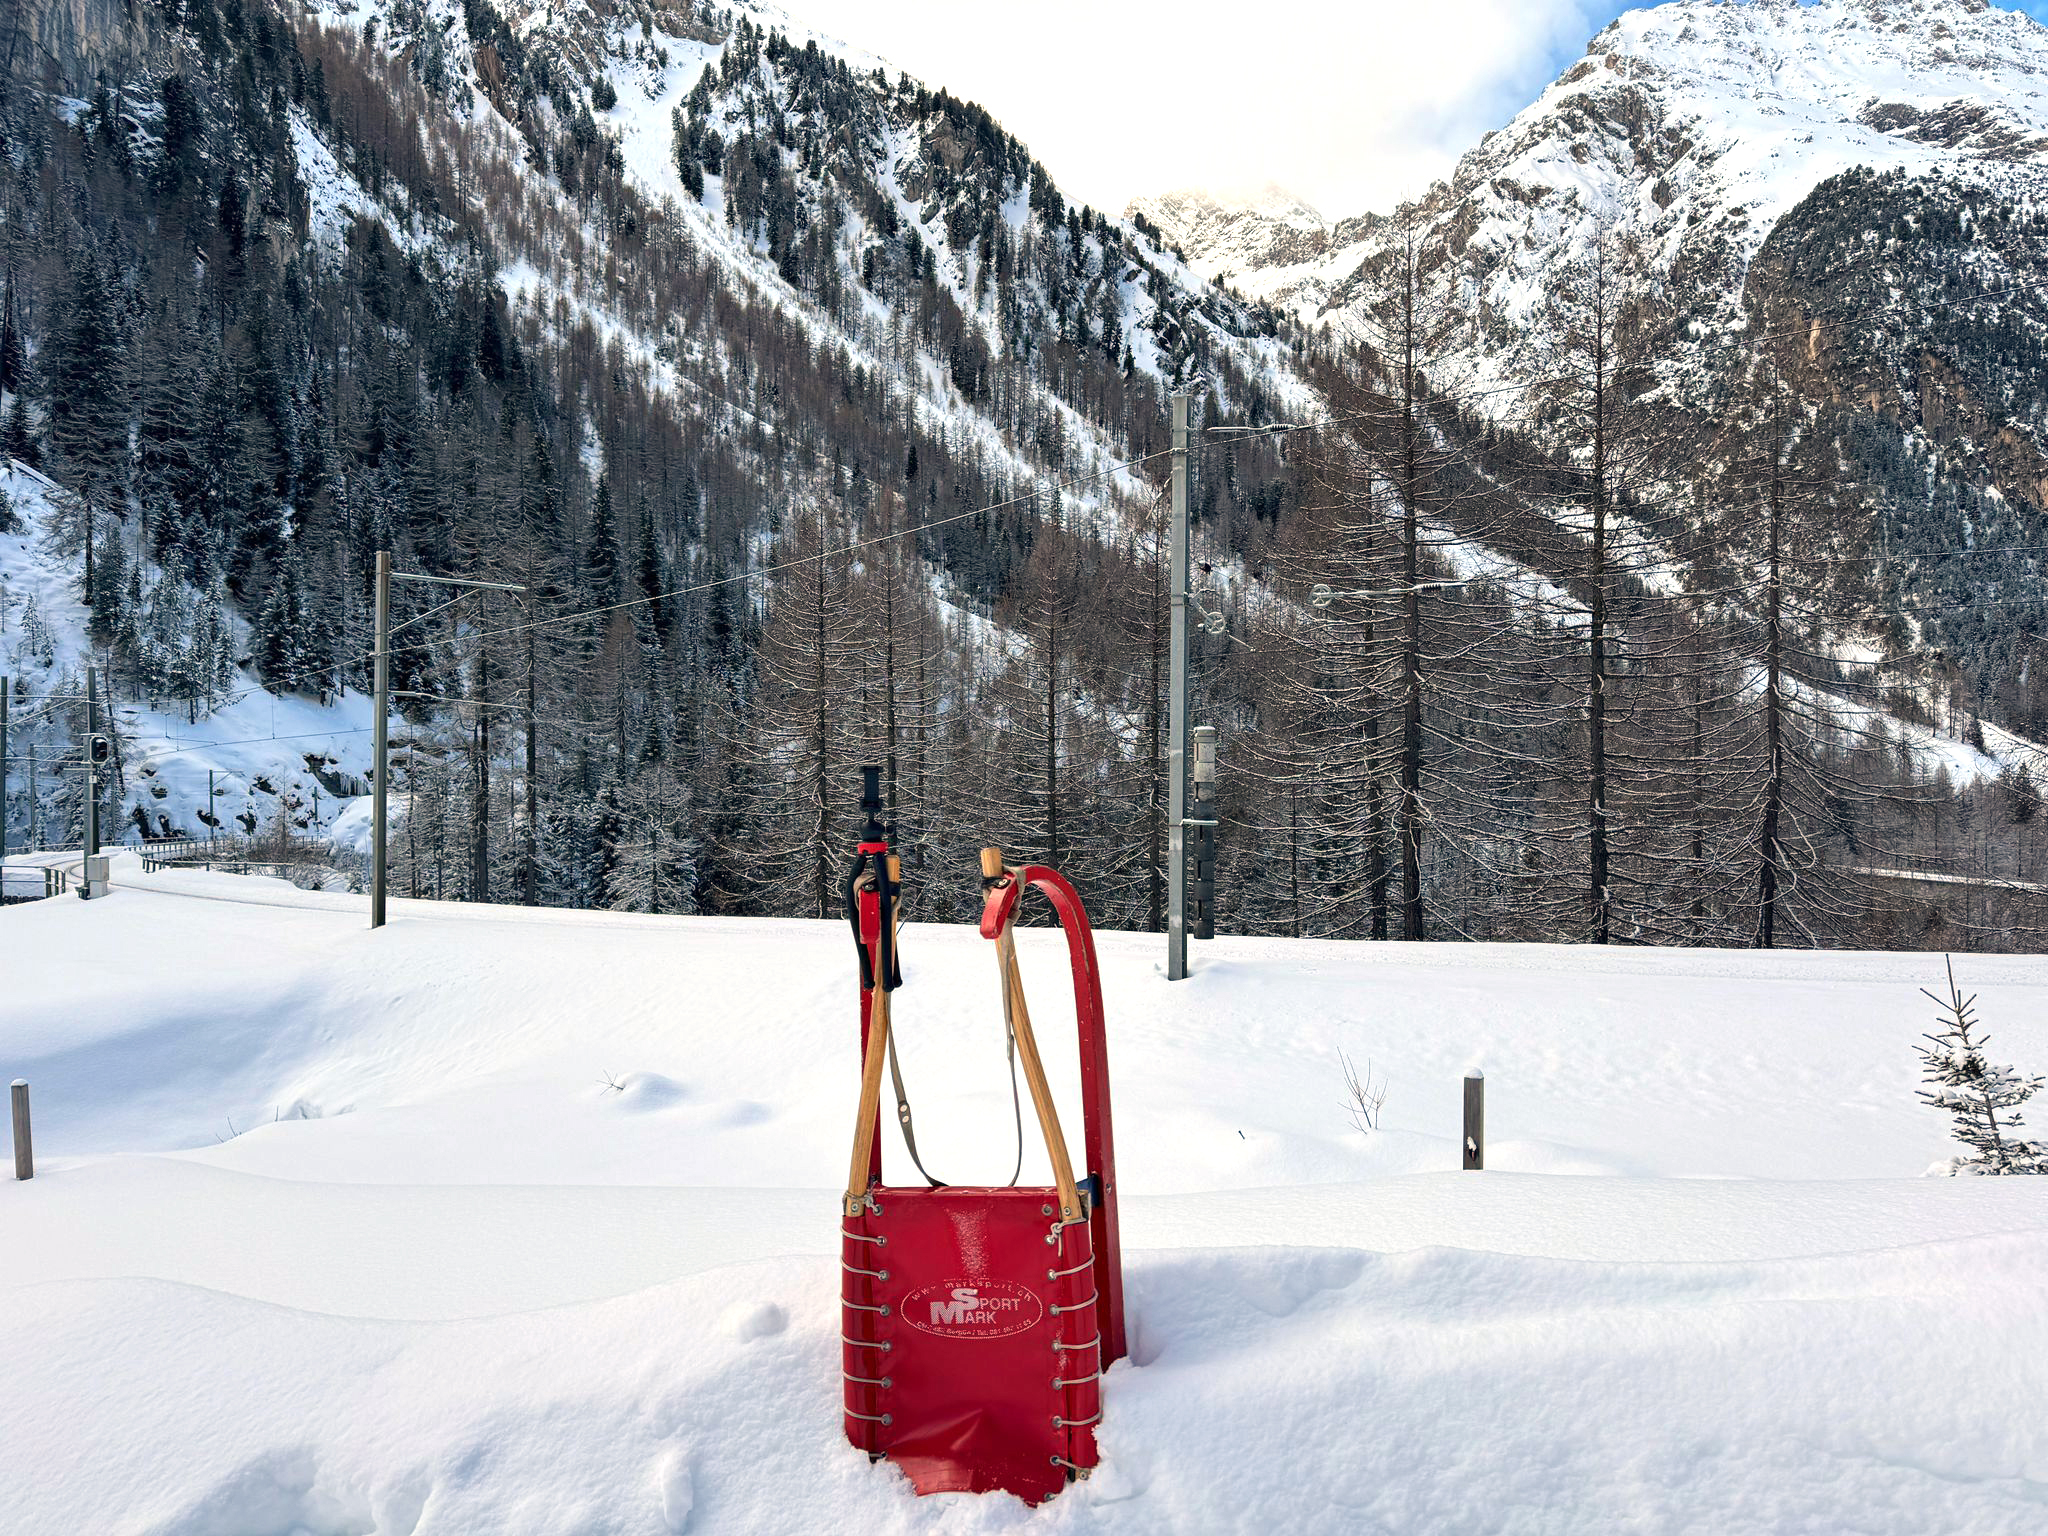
(1933, 877)
(32, 882)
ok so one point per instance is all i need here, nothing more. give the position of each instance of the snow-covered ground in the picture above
(509, 1221)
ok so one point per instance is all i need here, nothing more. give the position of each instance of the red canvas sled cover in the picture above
(977, 1322)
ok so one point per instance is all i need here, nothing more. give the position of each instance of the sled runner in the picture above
(976, 1322)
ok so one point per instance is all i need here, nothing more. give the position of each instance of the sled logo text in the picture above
(972, 1309)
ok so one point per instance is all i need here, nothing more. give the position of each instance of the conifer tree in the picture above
(600, 585)
(283, 653)
(793, 734)
(83, 397)
(1982, 1099)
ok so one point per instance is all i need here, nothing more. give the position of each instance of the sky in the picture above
(1350, 106)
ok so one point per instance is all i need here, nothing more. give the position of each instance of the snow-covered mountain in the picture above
(1698, 123)
(1238, 236)
(200, 746)
(1847, 171)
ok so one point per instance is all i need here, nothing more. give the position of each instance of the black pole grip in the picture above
(871, 803)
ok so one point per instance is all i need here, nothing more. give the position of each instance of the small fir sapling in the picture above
(1983, 1099)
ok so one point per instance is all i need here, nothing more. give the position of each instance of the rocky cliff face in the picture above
(80, 38)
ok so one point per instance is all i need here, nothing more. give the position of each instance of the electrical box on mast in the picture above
(1202, 823)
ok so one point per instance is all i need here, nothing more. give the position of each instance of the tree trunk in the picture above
(821, 733)
(1596, 657)
(1052, 729)
(1769, 850)
(1411, 632)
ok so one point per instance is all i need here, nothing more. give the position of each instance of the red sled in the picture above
(977, 1322)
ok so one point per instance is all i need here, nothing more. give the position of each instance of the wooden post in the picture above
(1475, 1119)
(24, 1149)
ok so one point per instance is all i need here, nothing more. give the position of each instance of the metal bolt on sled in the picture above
(976, 1322)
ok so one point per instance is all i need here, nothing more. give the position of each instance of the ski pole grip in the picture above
(991, 863)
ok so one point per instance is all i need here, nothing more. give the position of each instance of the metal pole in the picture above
(209, 808)
(1475, 1119)
(1177, 710)
(24, 1145)
(381, 740)
(3, 776)
(1202, 802)
(92, 774)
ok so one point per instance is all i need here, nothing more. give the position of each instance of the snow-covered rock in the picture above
(1225, 234)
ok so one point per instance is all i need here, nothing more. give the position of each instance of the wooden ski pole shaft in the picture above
(870, 1103)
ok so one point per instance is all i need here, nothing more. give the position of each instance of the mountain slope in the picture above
(1863, 175)
(818, 427)
(655, 279)
(1233, 237)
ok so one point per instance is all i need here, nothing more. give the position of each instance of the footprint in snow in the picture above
(751, 1320)
(1124, 1475)
(1280, 1290)
(641, 1092)
(744, 1112)
(677, 1493)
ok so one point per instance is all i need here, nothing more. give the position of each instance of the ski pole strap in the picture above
(1016, 1093)
(903, 1117)
(876, 869)
(852, 891)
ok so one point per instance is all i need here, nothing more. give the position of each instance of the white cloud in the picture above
(1351, 106)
